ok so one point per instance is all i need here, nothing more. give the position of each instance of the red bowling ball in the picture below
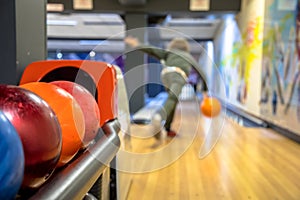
(88, 105)
(39, 130)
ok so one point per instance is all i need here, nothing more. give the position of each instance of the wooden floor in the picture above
(246, 163)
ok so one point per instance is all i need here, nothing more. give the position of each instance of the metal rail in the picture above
(75, 180)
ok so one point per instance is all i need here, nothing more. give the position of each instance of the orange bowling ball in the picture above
(69, 114)
(210, 107)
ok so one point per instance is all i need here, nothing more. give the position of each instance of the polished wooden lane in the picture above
(246, 163)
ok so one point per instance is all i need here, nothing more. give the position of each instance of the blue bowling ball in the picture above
(11, 160)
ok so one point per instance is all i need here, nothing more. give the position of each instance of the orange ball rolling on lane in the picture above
(210, 107)
(69, 114)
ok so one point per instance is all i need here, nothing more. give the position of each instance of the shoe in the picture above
(171, 133)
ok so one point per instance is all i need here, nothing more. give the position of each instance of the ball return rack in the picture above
(84, 175)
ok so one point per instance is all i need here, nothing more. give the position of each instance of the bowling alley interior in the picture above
(150, 99)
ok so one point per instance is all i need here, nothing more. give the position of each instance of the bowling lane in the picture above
(246, 163)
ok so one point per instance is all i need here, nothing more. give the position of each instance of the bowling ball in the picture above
(210, 107)
(88, 106)
(38, 129)
(12, 159)
(69, 114)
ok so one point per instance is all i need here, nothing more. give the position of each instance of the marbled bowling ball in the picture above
(88, 106)
(69, 115)
(39, 130)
